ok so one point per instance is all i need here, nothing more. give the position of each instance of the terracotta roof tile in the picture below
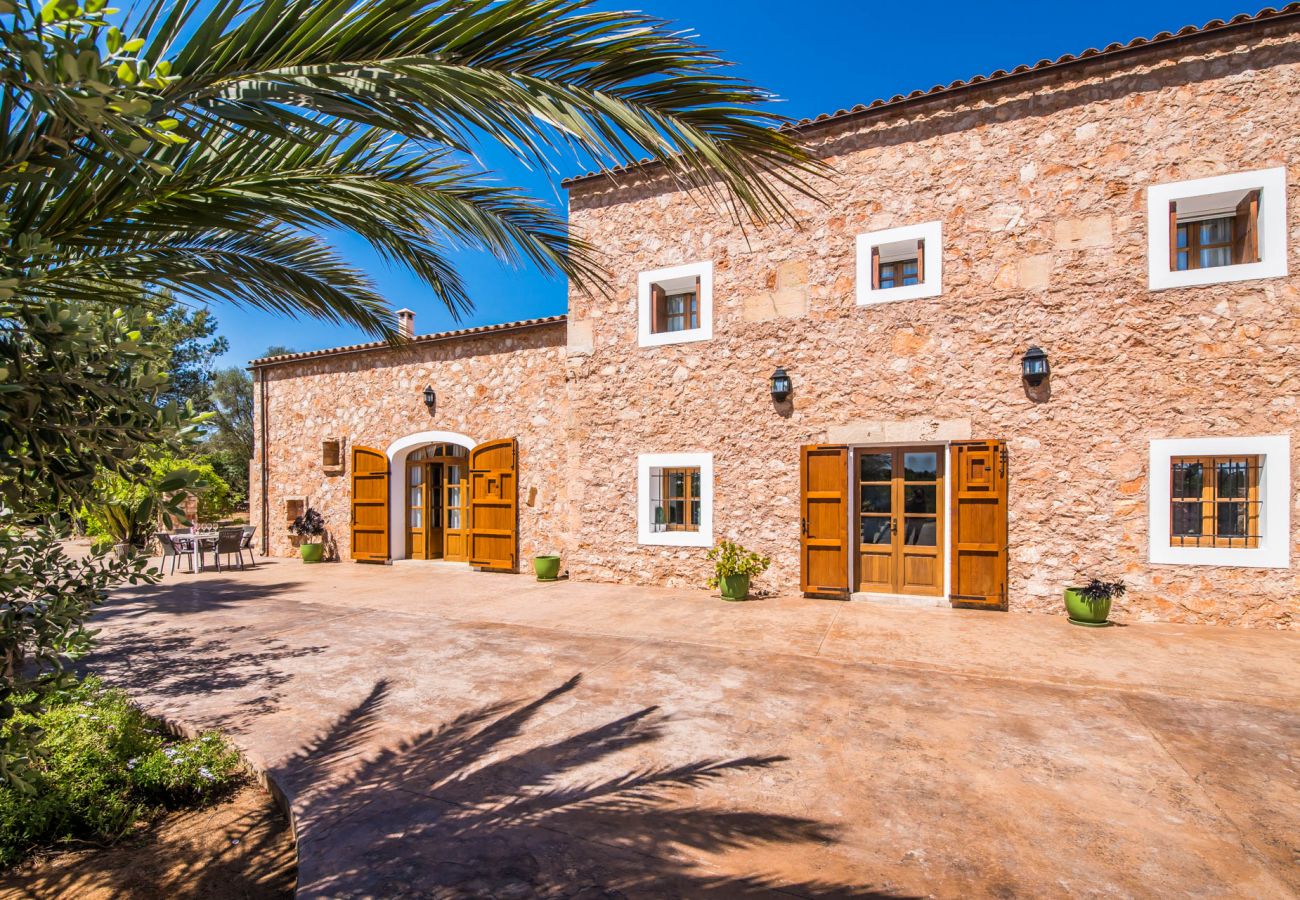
(1187, 31)
(418, 339)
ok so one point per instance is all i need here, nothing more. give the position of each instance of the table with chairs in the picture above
(194, 544)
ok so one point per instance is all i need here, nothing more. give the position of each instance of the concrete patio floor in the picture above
(441, 733)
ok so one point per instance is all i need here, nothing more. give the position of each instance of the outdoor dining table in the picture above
(193, 544)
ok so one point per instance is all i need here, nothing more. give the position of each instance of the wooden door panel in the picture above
(369, 504)
(979, 523)
(824, 539)
(493, 505)
(920, 573)
(455, 513)
(876, 571)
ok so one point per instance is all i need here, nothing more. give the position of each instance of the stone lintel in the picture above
(906, 431)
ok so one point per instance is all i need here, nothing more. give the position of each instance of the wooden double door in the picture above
(875, 520)
(437, 514)
(899, 532)
(453, 504)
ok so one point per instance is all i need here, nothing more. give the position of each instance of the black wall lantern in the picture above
(781, 385)
(1034, 367)
(430, 399)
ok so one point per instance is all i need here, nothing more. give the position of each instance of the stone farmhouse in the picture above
(1043, 325)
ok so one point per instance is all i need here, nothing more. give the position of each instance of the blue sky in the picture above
(827, 55)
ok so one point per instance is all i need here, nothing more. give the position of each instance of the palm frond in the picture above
(301, 116)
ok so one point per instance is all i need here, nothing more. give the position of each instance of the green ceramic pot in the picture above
(312, 553)
(546, 567)
(1086, 612)
(733, 587)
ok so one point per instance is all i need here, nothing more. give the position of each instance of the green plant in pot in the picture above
(1089, 605)
(310, 526)
(733, 567)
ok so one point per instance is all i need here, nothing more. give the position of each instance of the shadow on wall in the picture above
(473, 808)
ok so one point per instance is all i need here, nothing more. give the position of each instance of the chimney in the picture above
(406, 322)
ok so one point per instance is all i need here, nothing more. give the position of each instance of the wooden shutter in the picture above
(1173, 236)
(1245, 231)
(494, 505)
(824, 529)
(920, 262)
(658, 309)
(875, 268)
(369, 505)
(979, 523)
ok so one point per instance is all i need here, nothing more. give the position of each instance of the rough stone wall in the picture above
(1041, 192)
(490, 386)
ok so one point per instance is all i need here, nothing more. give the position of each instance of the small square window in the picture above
(331, 456)
(1221, 501)
(675, 305)
(1221, 229)
(1214, 501)
(900, 264)
(675, 499)
(1209, 232)
(294, 507)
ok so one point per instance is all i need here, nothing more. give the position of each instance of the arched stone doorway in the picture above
(408, 460)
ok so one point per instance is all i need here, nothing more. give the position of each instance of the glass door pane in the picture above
(454, 495)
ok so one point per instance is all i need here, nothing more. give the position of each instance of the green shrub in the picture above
(729, 558)
(103, 765)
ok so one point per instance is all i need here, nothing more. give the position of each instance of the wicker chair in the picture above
(230, 542)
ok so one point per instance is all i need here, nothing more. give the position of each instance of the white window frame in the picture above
(931, 279)
(648, 338)
(647, 462)
(1272, 228)
(1274, 547)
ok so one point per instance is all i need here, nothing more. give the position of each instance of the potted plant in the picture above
(547, 567)
(310, 526)
(130, 524)
(1090, 605)
(733, 566)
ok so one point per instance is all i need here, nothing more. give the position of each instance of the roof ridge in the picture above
(417, 339)
(1187, 31)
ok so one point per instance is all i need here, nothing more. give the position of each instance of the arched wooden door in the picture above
(494, 505)
(369, 505)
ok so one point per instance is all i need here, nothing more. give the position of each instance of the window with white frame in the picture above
(675, 305)
(1221, 501)
(1220, 229)
(675, 499)
(900, 263)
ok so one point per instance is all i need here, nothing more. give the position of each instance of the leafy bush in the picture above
(138, 507)
(729, 558)
(103, 766)
(45, 598)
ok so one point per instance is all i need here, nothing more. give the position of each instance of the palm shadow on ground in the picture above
(479, 807)
(156, 662)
